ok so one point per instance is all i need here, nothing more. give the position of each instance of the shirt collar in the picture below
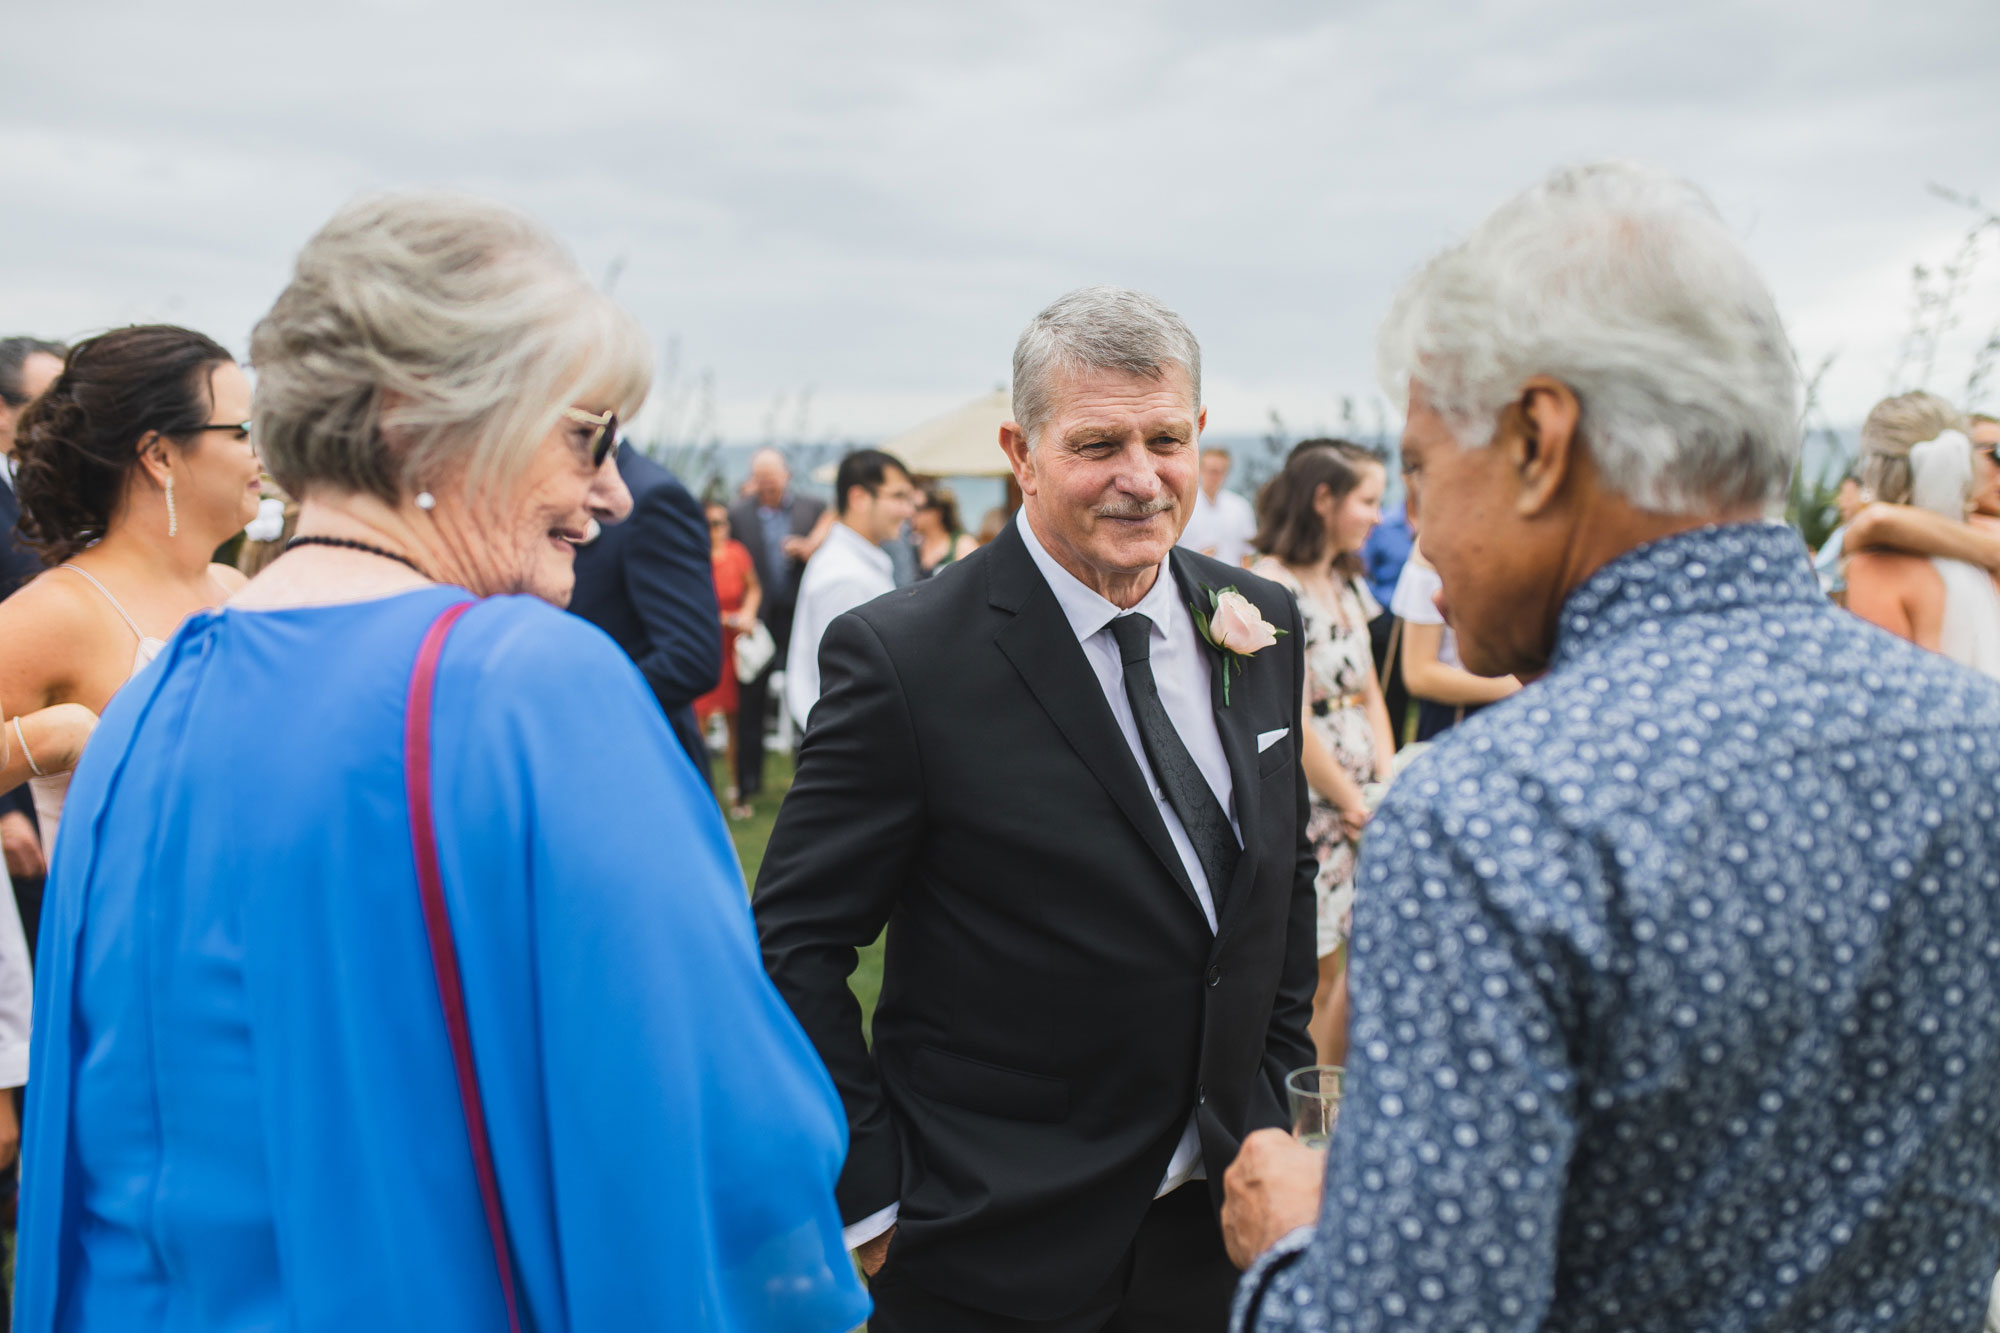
(1088, 611)
(1705, 570)
(859, 546)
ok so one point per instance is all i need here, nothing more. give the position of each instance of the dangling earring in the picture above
(173, 519)
(426, 501)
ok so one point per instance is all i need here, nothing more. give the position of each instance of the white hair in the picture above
(1622, 282)
(423, 334)
(1098, 328)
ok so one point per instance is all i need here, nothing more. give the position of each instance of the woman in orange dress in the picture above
(738, 594)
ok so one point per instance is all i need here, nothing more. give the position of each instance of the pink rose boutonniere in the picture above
(1235, 628)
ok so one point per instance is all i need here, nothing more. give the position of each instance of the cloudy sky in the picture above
(842, 214)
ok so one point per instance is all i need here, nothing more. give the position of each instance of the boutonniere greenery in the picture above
(1234, 627)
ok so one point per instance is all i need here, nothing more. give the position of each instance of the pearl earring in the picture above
(426, 501)
(173, 519)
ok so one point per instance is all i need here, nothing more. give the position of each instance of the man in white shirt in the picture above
(1221, 523)
(875, 500)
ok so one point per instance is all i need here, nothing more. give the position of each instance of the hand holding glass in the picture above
(1314, 1093)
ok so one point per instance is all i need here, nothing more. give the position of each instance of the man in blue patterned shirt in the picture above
(1676, 977)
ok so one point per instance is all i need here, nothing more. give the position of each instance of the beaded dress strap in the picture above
(130, 623)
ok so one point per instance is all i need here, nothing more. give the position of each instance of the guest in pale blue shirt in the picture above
(1387, 551)
(1830, 560)
(1672, 974)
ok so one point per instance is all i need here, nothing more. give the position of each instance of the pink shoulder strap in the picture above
(444, 952)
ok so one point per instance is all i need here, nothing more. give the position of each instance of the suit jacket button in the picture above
(1201, 1094)
(1215, 975)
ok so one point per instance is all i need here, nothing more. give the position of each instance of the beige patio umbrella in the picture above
(964, 442)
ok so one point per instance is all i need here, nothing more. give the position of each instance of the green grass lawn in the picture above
(752, 834)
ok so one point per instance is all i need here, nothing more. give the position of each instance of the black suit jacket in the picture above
(649, 584)
(1053, 1004)
(802, 512)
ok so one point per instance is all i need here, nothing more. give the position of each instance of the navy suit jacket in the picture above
(18, 564)
(648, 583)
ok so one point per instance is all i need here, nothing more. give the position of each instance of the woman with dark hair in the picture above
(133, 467)
(935, 532)
(1313, 518)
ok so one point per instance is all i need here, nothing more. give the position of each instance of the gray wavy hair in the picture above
(424, 333)
(1097, 328)
(1622, 282)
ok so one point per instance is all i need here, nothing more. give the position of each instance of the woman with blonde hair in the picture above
(455, 1018)
(1914, 451)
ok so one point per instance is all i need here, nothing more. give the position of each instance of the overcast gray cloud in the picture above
(870, 200)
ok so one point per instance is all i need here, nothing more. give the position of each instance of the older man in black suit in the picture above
(1065, 776)
(647, 583)
(781, 529)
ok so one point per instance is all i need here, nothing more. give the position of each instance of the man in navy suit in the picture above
(27, 367)
(647, 582)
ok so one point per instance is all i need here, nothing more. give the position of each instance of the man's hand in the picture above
(1272, 1188)
(10, 1129)
(870, 1253)
(21, 848)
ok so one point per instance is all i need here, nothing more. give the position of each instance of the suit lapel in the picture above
(1042, 647)
(1236, 725)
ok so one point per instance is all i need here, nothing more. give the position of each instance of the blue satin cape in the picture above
(242, 1107)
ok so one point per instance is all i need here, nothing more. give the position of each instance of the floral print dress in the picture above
(1337, 666)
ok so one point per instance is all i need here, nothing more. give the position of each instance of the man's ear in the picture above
(1538, 432)
(1014, 443)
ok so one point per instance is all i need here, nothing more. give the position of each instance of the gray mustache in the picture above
(1135, 508)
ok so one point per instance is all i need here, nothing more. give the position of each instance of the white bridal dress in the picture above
(1941, 481)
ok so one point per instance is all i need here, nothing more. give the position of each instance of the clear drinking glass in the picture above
(1315, 1096)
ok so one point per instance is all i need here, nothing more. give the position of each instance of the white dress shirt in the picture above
(17, 991)
(1223, 527)
(845, 572)
(1181, 670)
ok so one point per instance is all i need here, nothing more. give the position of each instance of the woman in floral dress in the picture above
(1312, 520)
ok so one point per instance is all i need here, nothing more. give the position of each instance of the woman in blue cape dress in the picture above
(244, 1110)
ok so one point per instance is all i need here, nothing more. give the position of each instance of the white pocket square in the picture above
(1266, 739)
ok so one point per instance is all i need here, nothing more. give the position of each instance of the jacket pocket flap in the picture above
(1282, 755)
(977, 1086)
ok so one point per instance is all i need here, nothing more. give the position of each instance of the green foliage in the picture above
(1809, 501)
(1809, 506)
(752, 835)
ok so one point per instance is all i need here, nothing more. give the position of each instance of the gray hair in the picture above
(427, 335)
(1622, 282)
(1098, 328)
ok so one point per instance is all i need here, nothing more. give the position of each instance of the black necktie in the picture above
(1206, 822)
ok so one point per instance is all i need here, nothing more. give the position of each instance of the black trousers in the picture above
(1175, 1278)
(1386, 643)
(753, 712)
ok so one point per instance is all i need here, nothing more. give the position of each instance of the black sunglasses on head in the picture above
(603, 436)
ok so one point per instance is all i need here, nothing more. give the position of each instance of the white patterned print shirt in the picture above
(1676, 985)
